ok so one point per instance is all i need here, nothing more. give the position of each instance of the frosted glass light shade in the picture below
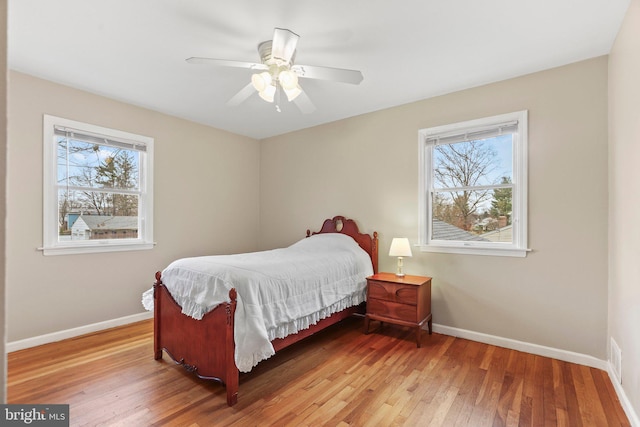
(293, 93)
(288, 79)
(261, 81)
(268, 93)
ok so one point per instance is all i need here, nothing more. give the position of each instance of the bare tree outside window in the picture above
(466, 178)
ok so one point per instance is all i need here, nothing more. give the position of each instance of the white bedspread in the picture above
(280, 292)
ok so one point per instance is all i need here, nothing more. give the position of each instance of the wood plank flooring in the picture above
(339, 377)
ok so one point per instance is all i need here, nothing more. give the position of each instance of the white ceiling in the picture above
(135, 50)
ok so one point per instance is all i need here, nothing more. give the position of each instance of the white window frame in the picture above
(51, 243)
(518, 247)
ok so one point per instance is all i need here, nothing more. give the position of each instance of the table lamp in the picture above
(400, 247)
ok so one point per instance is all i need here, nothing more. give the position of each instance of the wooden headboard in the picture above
(340, 224)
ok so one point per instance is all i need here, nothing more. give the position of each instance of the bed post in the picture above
(374, 252)
(157, 346)
(232, 379)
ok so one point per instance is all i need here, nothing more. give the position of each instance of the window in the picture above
(473, 186)
(98, 189)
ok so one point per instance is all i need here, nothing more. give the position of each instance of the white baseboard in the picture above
(75, 332)
(624, 400)
(567, 356)
(554, 353)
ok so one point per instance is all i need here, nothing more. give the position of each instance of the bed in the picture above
(232, 325)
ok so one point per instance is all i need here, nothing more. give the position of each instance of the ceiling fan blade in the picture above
(241, 96)
(284, 44)
(226, 63)
(303, 102)
(328, 73)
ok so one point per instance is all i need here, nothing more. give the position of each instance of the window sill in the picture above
(95, 248)
(510, 252)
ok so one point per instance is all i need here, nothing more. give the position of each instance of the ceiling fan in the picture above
(278, 73)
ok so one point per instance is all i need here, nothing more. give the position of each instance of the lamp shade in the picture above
(400, 247)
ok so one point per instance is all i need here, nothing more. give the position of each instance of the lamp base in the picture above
(400, 273)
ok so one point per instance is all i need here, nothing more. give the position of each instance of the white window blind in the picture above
(462, 135)
(83, 135)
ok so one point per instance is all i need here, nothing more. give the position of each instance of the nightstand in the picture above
(402, 301)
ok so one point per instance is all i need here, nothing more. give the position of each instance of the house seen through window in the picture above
(97, 188)
(473, 186)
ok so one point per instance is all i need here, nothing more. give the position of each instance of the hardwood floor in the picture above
(339, 377)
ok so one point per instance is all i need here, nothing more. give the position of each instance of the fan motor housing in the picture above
(264, 50)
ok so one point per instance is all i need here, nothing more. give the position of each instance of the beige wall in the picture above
(206, 201)
(624, 200)
(3, 173)
(366, 168)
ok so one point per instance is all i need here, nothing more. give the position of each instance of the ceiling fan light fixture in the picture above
(261, 81)
(277, 72)
(293, 92)
(288, 79)
(268, 93)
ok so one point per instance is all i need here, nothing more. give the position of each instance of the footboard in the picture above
(205, 347)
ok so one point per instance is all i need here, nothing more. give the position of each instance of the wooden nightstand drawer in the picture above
(393, 310)
(393, 292)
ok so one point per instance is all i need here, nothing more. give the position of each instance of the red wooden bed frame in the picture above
(206, 347)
